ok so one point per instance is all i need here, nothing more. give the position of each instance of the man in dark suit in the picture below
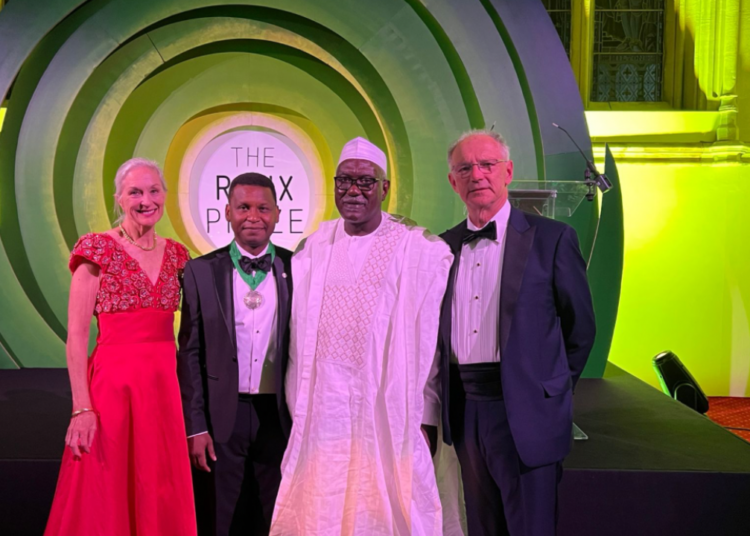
(232, 362)
(517, 326)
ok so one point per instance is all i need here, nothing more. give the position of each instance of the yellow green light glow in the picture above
(644, 125)
(685, 285)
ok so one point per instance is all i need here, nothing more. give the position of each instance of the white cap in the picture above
(361, 149)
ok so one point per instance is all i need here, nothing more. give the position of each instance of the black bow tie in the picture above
(258, 264)
(488, 231)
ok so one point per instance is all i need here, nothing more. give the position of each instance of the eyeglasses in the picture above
(485, 166)
(365, 184)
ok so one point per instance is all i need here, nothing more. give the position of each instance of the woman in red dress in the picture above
(126, 470)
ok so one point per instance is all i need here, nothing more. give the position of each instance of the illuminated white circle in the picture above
(240, 151)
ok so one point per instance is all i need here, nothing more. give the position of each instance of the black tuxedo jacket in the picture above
(546, 329)
(207, 357)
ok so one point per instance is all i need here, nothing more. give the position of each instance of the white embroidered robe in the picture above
(361, 351)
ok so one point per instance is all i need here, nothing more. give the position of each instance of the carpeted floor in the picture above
(731, 412)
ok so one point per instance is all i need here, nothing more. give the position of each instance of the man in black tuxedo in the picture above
(517, 326)
(231, 364)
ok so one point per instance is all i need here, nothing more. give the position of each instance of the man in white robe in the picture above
(364, 329)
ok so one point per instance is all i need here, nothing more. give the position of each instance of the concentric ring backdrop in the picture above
(91, 84)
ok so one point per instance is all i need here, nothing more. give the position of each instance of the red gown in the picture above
(136, 481)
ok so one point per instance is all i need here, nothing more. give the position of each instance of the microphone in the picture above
(600, 179)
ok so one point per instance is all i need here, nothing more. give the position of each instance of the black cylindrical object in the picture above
(678, 383)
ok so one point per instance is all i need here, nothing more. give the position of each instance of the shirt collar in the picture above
(500, 218)
(250, 255)
(368, 235)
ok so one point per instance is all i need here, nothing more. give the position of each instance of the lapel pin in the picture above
(283, 274)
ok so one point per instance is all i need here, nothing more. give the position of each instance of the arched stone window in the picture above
(628, 55)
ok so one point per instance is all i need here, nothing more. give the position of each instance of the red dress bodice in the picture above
(123, 285)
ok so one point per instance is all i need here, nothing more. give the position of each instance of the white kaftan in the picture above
(361, 351)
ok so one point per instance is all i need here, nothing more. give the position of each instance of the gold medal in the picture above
(253, 299)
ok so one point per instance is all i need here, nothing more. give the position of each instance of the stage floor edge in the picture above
(651, 466)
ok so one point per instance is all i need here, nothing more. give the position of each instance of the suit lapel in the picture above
(282, 318)
(223, 275)
(282, 293)
(518, 240)
(453, 238)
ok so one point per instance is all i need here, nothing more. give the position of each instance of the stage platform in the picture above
(650, 466)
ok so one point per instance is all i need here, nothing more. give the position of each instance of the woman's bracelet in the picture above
(77, 412)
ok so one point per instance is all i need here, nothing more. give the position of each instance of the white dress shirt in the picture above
(475, 326)
(475, 309)
(256, 333)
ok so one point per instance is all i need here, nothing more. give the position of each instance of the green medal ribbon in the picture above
(252, 280)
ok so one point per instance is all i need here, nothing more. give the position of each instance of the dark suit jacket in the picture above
(207, 358)
(546, 333)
